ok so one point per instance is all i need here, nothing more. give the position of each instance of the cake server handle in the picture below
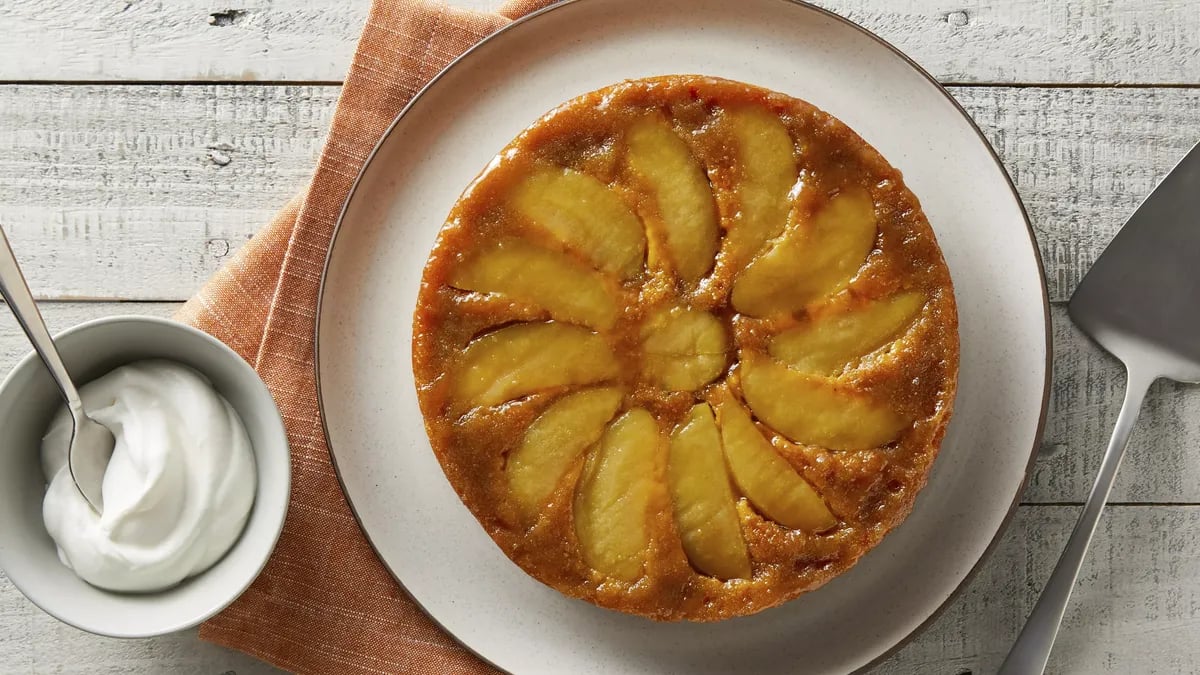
(1032, 649)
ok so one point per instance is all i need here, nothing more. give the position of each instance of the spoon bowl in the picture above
(87, 456)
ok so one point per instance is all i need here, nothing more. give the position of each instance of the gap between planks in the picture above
(83, 299)
(189, 83)
(1115, 504)
(292, 40)
(1073, 85)
(948, 84)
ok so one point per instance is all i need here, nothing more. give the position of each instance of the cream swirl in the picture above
(177, 491)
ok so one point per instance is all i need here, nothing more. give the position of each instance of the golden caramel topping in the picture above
(686, 348)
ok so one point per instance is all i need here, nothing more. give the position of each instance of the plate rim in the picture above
(1038, 435)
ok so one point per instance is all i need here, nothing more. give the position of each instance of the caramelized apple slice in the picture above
(525, 358)
(767, 480)
(817, 257)
(826, 343)
(665, 167)
(613, 497)
(813, 410)
(704, 505)
(569, 290)
(554, 441)
(766, 173)
(586, 216)
(683, 349)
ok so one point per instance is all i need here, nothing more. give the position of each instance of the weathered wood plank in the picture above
(60, 316)
(34, 642)
(1083, 159)
(105, 187)
(1023, 41)
(1135, 610)
(1111, 41)
(140, 192)
(110, 40)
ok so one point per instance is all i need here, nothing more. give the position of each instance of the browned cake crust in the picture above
(868, 490)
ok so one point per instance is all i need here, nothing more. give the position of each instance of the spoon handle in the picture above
(1032, 649)
(20, 301)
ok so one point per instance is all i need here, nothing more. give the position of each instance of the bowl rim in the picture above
(275, 422)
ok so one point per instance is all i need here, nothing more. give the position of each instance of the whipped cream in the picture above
(177, 491)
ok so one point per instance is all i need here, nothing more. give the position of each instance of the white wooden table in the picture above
(143, 142)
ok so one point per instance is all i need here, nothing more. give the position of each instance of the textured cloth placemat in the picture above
(324, 602)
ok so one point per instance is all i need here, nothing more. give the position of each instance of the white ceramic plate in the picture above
(417, 524)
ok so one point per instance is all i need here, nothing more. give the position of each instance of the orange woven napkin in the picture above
(324, 602)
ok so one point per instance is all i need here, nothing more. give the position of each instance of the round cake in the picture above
(686, 348)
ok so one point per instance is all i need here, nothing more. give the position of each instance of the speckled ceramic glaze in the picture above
(425, 535)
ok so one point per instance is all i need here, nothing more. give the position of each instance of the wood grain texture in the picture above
(1083, 159)
(184, 40)
(1101, 42)
(60, 316)
(140, 192)
(1135, 609)
(106, 188)
(34, 643)
(1026, 41)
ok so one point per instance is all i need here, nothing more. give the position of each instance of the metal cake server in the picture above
(91, 442)
(1141, 302)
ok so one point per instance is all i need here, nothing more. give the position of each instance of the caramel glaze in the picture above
(870, 491)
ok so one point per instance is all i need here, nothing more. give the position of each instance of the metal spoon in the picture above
(91, 442)
(1138, 302)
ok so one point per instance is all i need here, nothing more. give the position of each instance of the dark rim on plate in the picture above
(804, 4)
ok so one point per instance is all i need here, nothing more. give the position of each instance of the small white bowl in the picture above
(28, 555)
